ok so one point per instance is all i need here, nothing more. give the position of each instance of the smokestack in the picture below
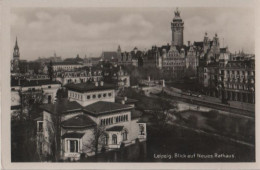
(123, 102)
(125, 98)
(96, 83)
(101, 83)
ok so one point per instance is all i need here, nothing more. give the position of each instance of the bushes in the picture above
(192, 120)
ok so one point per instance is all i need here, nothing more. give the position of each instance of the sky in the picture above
(89, 31)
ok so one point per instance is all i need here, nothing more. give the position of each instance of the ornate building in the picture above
(177, 26)
(16, 58)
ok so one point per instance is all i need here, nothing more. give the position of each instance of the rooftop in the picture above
(79, 121)
(85, 87)
(28, 83)
(62, 107)
(102, 107)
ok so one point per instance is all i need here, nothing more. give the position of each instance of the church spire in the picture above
(16, 44)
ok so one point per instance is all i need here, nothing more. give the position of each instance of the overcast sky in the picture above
(72, 31)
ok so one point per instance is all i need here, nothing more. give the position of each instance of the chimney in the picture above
(101, 83)
(123, 102)
(96, 83)
(125, 98)
(188, 43)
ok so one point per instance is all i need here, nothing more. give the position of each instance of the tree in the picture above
(62, 93)
(50, 70)
(97, 139)
(161, 113)
(29, 100)
(54, 129)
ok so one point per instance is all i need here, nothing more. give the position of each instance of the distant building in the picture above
(122, 78)
(23, 88)
(177, 27)
(63, 66)
(237, 80)
(53, 59)
(66, 77)
(16, 58)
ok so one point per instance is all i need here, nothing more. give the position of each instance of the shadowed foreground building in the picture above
(90, 116)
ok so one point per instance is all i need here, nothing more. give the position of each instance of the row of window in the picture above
(93, 96)
(116, 119)
(235, 86)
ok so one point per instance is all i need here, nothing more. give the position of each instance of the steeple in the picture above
(16, 54)
(16, 44)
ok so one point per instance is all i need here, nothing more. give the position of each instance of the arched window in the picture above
(114, 139)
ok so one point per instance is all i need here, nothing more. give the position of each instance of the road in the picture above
(215, 103)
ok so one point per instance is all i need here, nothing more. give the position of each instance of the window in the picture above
(109, 94)
(105, 139)
(88, 96)
(99, 96)
(141, 129)
(104, 95)
(49, 87)
(124, 134)
(40, 126)
(73, 145)
(94, 96)
(114, 139)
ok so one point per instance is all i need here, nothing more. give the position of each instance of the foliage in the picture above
(31, 99)
(50, 70)
(62, 93)
(23, 141)
(96, 140)
(193, 120)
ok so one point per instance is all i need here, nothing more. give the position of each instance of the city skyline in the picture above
(69, 32)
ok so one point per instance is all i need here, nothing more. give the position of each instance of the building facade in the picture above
(116, 124)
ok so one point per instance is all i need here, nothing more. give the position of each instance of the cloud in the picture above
(41, 32)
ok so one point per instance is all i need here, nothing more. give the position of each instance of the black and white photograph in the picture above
(131, 84)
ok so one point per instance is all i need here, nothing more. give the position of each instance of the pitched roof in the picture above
(79, 121)
(108, 55)
(102, 107)
(115, 128)
(62, 107)
(72, 135)
(85, 87)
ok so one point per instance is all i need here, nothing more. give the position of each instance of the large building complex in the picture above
(91, 121)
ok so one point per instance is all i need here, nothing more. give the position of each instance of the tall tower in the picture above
(16, 54)
(16, 57)
(177, 26)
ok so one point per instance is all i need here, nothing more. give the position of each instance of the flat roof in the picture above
(85, 87)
